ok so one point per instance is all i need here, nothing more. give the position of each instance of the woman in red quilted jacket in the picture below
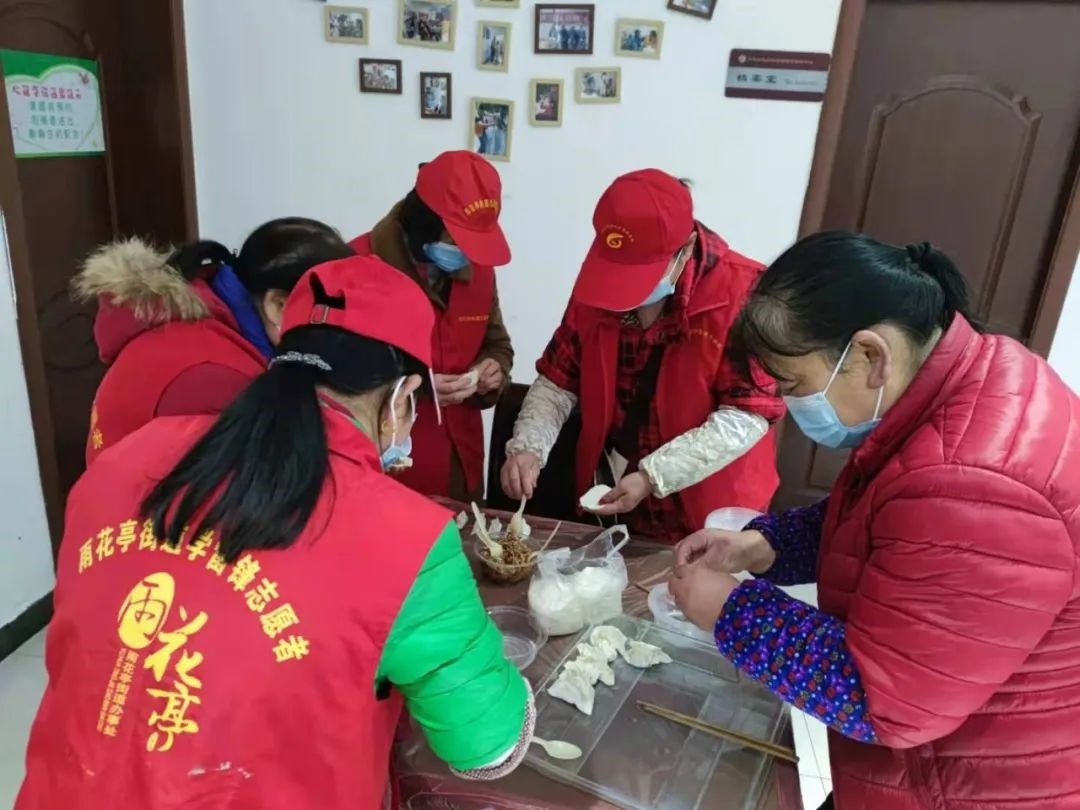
(945, 655)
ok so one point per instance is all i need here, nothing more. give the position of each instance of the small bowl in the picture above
(502, 573)
(522, 634)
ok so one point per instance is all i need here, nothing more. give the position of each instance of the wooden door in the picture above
(956, 122)
(59, 209)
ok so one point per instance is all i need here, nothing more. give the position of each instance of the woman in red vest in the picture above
(945, 655)
(445, 236)
(184, 333)
(246, 602)
(641, 352)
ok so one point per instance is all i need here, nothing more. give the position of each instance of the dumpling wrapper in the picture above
(473, 377)
(462, 520)
(590, 501)
(573, 688)
(609, 640)
(641, 655)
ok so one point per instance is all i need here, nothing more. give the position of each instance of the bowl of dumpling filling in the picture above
(507, 553)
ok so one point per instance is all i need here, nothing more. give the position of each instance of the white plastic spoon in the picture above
(558, 749)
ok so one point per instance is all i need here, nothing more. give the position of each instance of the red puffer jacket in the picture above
(951, 549)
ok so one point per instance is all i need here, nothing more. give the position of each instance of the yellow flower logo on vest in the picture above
(616, 237)
(145, 610)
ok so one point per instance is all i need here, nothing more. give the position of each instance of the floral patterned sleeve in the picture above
(796, 651)
(795, 535)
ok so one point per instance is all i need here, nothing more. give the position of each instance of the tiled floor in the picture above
(22, 682)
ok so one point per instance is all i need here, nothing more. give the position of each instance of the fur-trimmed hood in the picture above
(137, 291)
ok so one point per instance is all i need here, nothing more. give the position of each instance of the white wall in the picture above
(26, 571)
(1065, 361)
(280, 128)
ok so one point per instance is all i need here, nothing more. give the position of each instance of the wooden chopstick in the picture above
(764, 746)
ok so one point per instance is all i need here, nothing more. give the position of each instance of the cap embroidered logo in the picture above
(617, 237)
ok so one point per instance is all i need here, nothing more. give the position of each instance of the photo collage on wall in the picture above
(558, 29)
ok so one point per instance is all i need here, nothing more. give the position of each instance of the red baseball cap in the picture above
(641, 221)
(377, 302)
(466, 192)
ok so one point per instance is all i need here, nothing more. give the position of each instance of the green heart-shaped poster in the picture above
(54, 103)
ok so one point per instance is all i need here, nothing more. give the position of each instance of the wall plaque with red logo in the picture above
(779, 75)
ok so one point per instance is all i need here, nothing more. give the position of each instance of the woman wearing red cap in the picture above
(445, 236)
(641, 352)
(185, 332)
(246, 602)
(945, 656)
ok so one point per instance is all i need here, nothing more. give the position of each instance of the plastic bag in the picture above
(574, 588)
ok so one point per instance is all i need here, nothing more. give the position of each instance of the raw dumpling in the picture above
(461, 520)
(590, 501)
(609, 640)
(575, 689)
(641, 655)
(593, 662)
(593, 670)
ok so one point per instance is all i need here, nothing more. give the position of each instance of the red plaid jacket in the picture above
(658, 518)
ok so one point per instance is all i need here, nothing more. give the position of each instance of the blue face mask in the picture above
(817, 418)
(447, 258)
(398, 453)
(663, 290)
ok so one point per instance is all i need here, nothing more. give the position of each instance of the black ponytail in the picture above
(257, 474)
(940, 267)
(191, 259)
(830, 285)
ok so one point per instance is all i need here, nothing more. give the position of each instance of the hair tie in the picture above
(299, 359)
(918, 252)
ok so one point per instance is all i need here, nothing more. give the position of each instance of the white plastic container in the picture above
(731, 518)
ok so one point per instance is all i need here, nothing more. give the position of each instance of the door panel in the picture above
(67, 210)
(961, 127)
(142, 185)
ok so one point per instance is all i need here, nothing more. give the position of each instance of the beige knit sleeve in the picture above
(689, 459)
(543, 415)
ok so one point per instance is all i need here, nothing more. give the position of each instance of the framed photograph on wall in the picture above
(641, 38)
(493, 46)
(696, 8)
(491, 127)
(346, 24)
(380, 76)
(428, 23)
(598, 85)
(564, 28)
(499, 3)
(546, 98)
(436, 96)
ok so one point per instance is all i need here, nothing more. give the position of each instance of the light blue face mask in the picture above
(666, 287)
(447, 258)
(396, 455)
(663, 290)
(817, 418)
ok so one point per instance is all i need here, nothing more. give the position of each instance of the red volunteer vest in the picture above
(132, 388)
(685, 396)
(456, 343)
(177, 680)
